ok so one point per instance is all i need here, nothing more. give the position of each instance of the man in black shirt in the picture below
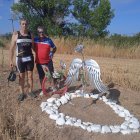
(22, 40)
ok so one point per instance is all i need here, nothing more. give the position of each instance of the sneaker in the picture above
(21, 97)
(41, 93)
(31, 94)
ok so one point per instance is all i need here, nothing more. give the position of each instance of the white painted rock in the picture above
(89, 129)
(130, 125)
(58, 103)
(43, 105)
(124, 132)
(49, 111)
(54, 116)
(51, 100)
(68, 96)
(77, 124)
(95, 96)
(134, 125)
(63, 100)
(86, 96)
(115, 129)
(69, 122)
(60, 121)
(124, 126)
(105, 129)
(83, 126)
(50, 104)
(96, 128)
(121, 114)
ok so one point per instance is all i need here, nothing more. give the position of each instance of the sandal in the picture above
(31, 94)
(21, 97)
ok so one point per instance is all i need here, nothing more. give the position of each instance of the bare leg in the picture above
(30, 80)
(21, 82)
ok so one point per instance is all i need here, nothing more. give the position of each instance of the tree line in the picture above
(87, 18)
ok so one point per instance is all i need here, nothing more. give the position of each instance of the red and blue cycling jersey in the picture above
(42, 49)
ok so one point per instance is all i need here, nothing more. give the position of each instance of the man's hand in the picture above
(11, 64)
(51, 54)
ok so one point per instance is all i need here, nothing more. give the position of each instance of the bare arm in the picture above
(54, 50)
(33, 47)
(12, 47)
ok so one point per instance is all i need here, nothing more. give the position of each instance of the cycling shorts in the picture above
(25, 63)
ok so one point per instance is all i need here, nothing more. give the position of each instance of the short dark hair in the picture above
(23, 19)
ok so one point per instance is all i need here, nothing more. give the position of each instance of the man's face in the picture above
(40, 32)
(24, 25)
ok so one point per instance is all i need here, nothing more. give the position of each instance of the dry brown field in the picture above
(25, 121)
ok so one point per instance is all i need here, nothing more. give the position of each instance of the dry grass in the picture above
(66, 46)
(15, 119)
(123, 72)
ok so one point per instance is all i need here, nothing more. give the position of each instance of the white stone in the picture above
(135, 130)
(54, 116)
(130, 125)
(83, 126)
(121, 114)
(115, 129)
(89, 129)
(124, 126)
(134, 120)
(96, 128)
(73, 96)
(105, 129)
(77, 124)
(43, 105)
(58, 103)
(95, 96)
(86, 96)
(127, 118)
(78, 91)
(79, 121)
(49, 111)
(127, 113)
(67, 117)
(67, 96)
(60, 121)
(124, 132)
(134, 125)
(121, 108)
(69, 122)
(51, 100)
(74, 119)
(55, 107)
(50, 104)
(61, 114)
(63, 100)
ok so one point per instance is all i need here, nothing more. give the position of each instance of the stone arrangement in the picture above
(51, 106)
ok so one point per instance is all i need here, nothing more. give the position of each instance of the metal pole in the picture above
(12, 21)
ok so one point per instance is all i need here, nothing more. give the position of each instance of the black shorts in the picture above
(23, 66)
(40, 69)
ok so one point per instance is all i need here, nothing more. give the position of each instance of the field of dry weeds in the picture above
(19, 121)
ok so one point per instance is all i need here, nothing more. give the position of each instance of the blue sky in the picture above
(126, 20)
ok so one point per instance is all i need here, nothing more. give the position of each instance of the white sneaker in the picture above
(41, 93)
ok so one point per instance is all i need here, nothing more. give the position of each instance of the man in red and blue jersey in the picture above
(44, 49)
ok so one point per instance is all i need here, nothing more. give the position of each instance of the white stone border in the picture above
(51, 106)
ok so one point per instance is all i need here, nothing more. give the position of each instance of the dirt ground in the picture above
(26, 121)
